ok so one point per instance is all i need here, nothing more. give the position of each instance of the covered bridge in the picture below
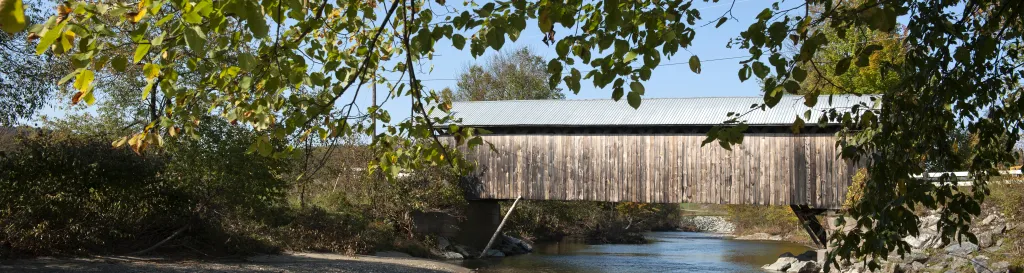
(604, 150)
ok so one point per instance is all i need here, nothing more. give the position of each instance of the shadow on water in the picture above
(668, 252)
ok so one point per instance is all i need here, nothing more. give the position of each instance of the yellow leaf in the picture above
(143, 8)
(120, 142)
(12, 16)
(83, 81)
(68, 41)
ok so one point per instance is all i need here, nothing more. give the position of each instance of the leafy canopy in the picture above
(511, 75)
(962, 68)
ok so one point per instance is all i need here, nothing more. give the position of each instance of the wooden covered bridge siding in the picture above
(768, 168)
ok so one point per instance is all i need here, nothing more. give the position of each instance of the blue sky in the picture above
(673, 79)
(717, 78)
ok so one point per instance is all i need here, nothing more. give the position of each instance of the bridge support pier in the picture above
(482, 219)
(809, 220)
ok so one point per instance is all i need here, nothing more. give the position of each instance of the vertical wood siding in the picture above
(767, 169)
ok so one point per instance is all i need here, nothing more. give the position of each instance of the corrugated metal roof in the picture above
(652, 112)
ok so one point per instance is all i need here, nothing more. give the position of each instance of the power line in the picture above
(585, 71)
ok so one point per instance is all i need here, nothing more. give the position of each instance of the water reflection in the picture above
(668, 252)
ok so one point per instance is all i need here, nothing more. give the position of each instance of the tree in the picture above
(962, 68)
(26, 79)
(871, 78)
(512, 75)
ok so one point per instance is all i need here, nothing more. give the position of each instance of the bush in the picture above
(70, 194)
(856, 190)
(747, 219)
(1009, 199)
(63, 194)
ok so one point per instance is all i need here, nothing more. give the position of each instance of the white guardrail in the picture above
(964, 178)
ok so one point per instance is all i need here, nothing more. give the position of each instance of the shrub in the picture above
(856, 190)
(768, 219)
(1009, 199)
(62, 194)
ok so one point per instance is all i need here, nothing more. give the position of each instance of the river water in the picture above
(669, 252)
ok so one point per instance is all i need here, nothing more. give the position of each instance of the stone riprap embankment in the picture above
(712, 224)
(928, 252)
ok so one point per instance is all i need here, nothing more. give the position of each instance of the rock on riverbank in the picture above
(928, 253)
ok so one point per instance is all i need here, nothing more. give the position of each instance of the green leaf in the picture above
(797, 125)
(695, 64)
(158, 40)
(49, 37)
(151, 71)
(475, 141)
(458, 41)
(633, 98)
(617, 93)
(791, 86)
(799, 74)
(629, 57)
(89, 97)
(842, 66)
(140, 52)
(636, 87)
(67, 78)
(257, 23)
(12, 16)
(744, 73)
(119, 63)
(760, 70)
(196, 40)
(721, 21)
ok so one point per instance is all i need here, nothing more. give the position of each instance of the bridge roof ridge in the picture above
(698, 111)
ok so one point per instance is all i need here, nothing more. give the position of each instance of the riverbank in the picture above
(289, 262)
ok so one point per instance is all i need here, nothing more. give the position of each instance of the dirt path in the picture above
(291, 262)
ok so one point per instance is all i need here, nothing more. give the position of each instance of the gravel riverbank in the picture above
(291, 262)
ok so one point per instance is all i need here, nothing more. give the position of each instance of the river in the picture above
(668, 252)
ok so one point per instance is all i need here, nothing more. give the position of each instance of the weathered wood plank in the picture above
(776, 169)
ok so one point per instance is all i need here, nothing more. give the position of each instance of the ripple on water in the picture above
(667, 252)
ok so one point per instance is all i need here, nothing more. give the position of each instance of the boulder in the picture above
(985, 239)
(962, 248)
(917, 266)
(495, 253)
(810, 255)
(988, 220)
(780, 265)
(918, 256)
(512, 246)
(1000, 266)
(461, 249)
(443, 243)
(929, 220)
(919, 241)
(450, 255)
(804, 267)
(957, 263)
